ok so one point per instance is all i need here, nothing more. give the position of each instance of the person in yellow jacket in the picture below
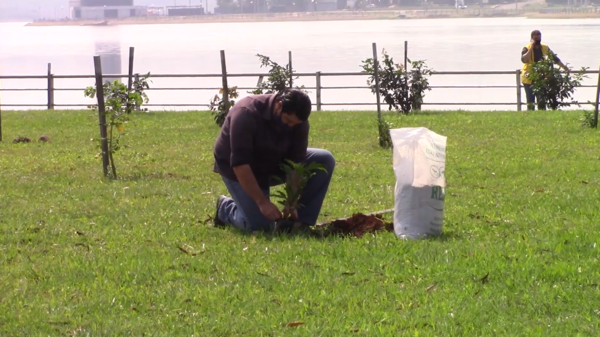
(530, 54)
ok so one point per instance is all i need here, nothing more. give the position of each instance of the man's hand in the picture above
(293, 215)
(269, 210)
(248, 181)
(565, 68)
(526, 54)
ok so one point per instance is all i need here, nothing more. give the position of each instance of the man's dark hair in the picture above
(535, 32)
(296, 102)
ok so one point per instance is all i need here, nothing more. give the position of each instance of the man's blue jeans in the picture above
(242, 211)
(531, 98)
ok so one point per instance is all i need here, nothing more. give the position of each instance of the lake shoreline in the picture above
(360, 16)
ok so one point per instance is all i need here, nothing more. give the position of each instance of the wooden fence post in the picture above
(225, 85)
(376, 74)
(291, 70)
(318, 91)
(130, 76)
(0, 119)
(101, 113)
(405, 55)
(597, 102)
(0, 115)
(518, 76)
(50, 88)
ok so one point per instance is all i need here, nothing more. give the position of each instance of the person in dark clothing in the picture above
(534, 52)
(259, 133)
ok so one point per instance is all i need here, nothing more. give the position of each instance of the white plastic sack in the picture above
(419, 162)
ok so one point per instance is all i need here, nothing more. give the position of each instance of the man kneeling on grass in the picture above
(259, 133)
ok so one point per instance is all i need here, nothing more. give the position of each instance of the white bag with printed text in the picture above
(419, 162)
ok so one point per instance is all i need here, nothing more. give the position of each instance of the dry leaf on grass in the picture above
(484, 279)
(183, 250)
(431, 287)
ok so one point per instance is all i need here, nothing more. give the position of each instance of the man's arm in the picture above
(562, 65)
(249, 184)
(526, 54)
(243, 128)
(558, 61)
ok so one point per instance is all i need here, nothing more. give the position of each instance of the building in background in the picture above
(156, 11)
(185, 10)
(326, 6)
(329, 5)
(105, 9)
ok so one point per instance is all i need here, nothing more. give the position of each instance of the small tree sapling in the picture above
(279, 77)
(119, 104)
(217, 105)
(385, 139)
(553, 86)
(296, 178)
(401, 89)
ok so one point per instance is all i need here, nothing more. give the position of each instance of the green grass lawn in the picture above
(81, 255)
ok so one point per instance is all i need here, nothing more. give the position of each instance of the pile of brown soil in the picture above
(359, 224)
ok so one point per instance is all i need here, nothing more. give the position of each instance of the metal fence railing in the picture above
(51, 88)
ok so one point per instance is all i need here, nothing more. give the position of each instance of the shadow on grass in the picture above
(326, 233)
(304, 233)
(445, 236)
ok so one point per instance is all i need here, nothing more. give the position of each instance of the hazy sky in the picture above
(33, 9)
